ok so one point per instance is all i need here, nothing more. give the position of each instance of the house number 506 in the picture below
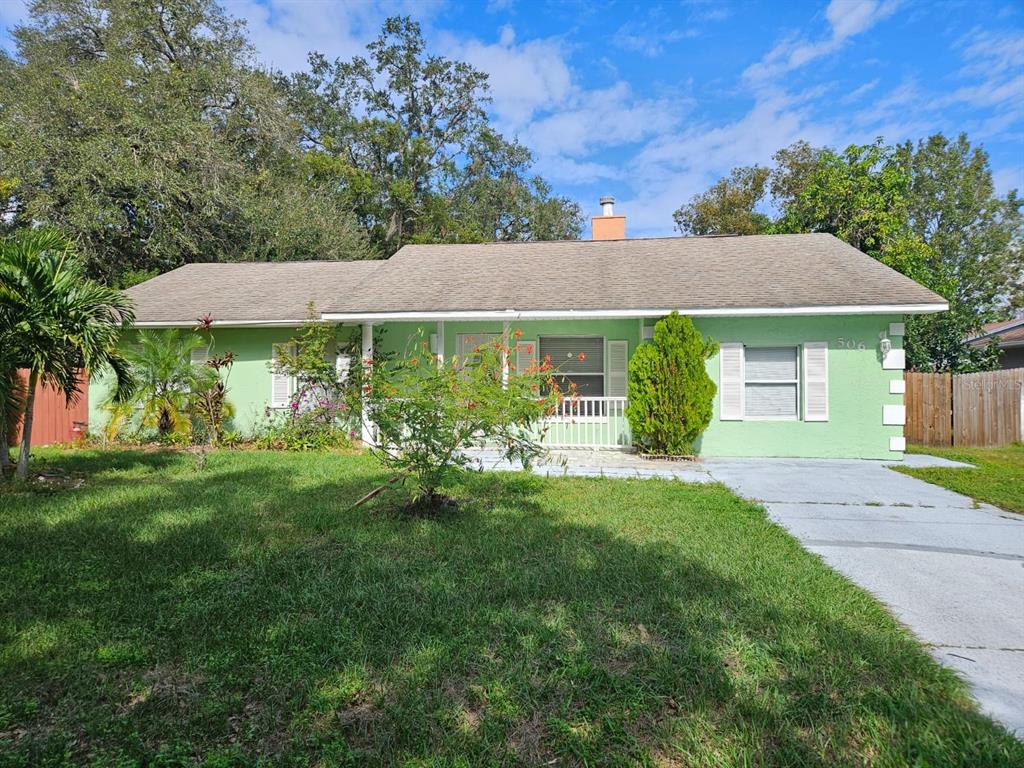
(851, 344)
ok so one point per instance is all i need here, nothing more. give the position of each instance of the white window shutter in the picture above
(281, 384)
(730, 381)
(343, 367)
(526, 355)
(199, 356)
(816, 381)
(618, 361)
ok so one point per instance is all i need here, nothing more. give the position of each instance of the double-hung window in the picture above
(771, 383)
(576, 360)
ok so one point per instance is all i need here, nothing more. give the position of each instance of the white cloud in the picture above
(539, 99)
(284, 32)
(525, 78)
(862, 90)
(846, 19)
(648, 40)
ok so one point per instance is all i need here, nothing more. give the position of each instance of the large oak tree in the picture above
(143, 129)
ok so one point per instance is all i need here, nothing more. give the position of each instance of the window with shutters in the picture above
(576, 360)
(771, 383)
(466, 345)
(282, 386)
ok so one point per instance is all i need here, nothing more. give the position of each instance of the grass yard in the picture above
(998, 476)
(170, 614)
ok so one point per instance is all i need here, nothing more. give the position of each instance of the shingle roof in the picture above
(768, 272)
(1010, 333)
(250, 292)
(685, 273)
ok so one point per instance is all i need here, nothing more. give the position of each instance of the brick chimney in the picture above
(608, 226)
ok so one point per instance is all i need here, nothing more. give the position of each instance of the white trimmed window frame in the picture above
(796, 382)
(603, 375)
(575, 419)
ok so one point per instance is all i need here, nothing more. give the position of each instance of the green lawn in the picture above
(998, 476)
(167, 614)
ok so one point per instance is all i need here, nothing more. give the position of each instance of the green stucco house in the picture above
(810, 329)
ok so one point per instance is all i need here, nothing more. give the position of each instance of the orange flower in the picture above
(529, 349)
(581, 357)
(517, 334)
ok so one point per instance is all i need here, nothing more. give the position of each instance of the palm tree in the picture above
(12, 403)
(58, 321)
(165, 382)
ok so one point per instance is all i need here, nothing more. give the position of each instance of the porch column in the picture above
(367, 358)
(440, 343)
(505, 338)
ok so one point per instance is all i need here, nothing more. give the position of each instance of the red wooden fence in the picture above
(53, 420)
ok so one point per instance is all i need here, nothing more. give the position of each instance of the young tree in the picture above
(145, 130)
(405, 136)
(58, 322)
(427, 415)
(670, 392)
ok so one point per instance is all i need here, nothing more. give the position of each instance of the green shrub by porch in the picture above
(670, 392)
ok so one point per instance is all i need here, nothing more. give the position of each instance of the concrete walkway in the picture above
(949, 569)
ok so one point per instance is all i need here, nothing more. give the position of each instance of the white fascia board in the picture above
(222, 323)
(580, 314)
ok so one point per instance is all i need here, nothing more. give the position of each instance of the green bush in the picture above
(670, 392)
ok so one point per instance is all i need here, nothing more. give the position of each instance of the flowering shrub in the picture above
(670, 392)
(427, 414)
(318, 415)
(305, 431)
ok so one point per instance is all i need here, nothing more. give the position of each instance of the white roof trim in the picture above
(581, 314)
(222, 323)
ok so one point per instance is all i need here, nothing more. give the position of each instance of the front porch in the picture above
(591, 355)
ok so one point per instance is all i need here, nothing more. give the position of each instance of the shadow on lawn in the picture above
(246, 612)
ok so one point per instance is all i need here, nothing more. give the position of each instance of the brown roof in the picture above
(685, 273)
(250, 292)
(1009, 332)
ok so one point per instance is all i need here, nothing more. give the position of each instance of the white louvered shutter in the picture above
(526, 355)
(343, 367)
(618, 360)
(816, 381)
(281, 384)
(730, 381)
(199, 356)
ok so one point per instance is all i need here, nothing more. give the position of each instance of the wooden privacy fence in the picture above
(53, 420)
(965, 408)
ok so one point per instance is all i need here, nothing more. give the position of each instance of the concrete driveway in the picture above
(950, 570)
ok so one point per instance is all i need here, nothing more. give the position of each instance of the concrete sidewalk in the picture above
(949, 569)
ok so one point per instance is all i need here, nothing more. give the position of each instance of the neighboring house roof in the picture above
(249, 293)
(1009, 332)
(755, 274)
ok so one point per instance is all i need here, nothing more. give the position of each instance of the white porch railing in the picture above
(588, 422)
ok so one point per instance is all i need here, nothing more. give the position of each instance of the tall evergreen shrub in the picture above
(670, 392)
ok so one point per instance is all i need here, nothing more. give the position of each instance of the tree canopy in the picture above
(928, 210)
(406, 138)
(145, 130)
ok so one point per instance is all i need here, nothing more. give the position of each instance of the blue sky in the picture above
(652, 102)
